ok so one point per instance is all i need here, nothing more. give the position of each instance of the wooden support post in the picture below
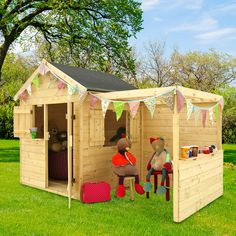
(219, 131)
(176, 162)
(46, 138)
(81, 112)
(141, 142)
(69, 150)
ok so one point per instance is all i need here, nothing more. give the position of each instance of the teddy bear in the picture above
(124, 165)
(160, 161)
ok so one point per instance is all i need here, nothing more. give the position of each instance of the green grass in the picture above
(230, 153)
(28, 211)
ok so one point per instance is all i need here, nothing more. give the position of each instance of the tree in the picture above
(155, 67)
(92, 24)
(205, 71)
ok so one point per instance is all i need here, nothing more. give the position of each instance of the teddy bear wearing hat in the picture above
(124, 165)
(160, 161)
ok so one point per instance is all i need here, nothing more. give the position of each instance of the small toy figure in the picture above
(124, 165)
(160, 161)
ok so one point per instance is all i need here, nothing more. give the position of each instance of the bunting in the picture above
(29, 89)
(23, 96)
(105, 105)
(169, 99)
(60, 85)
(92, 101)
(43, 69)
(35, 81)
(204, 113)
(196, 115)
(189, 108)
(180, 101)
(151, 105)
(118, 107)
(133, 108)
(82, 95)
(211, 118)
(217, 112)
(221, 104)
(72, 89)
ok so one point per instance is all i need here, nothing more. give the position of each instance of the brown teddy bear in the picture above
(124, 165)
(160, 161)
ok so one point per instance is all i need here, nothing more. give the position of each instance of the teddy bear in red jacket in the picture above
(124, 165)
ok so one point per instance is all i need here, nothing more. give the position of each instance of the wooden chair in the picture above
(155, 174)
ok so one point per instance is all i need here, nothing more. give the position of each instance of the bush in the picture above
(229, 128)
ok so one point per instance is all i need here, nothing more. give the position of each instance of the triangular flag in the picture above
(105, 105)
(119, 107)
(133, 108)
(61, 85)
(180, 101)
(92, 101)
(211, 115)
(43, 69)
(151, 104)
(23, 96)
(82, 95)
(217, 112)
(169, 99)
(204, 113)
(35, 81)
(189, 108)
(29, 89)
(196, 115)
(72, 89)
(221, 103)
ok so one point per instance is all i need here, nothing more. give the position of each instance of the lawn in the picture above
(28, 211)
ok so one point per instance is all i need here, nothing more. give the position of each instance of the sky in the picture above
(189, 25)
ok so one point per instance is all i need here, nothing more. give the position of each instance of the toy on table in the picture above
(124, 166)
(160, 161)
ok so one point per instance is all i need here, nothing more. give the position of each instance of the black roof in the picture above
(94, 80)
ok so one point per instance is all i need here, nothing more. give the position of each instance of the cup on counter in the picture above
(184, 152)
(194, 150)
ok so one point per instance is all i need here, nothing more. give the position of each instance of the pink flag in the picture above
(221, 103)
(60, 85)
(180, 101)
(23, 96)
(133, 108)
(204, 113)
(92, 101)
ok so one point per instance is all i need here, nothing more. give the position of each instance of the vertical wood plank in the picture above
(69, 150)
(176, 161)
(81, 163)
(46, 138)
(219, 131)
(141, 141)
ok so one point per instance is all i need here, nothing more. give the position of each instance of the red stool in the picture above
(155, 174)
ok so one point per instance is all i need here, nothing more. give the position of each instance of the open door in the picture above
(33, 155)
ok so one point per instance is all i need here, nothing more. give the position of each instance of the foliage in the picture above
(15, 72)
(206, 71)
(229, 114)
(29, 211)
(88, 26)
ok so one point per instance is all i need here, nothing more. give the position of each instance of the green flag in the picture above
(216, 108)
(119, 107)
(35, 81)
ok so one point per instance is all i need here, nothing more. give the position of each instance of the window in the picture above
(113, 128)
(38, 122)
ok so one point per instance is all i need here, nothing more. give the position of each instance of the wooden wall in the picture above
(159, 125)
(95, 159)
(200, 182)
(32, 162)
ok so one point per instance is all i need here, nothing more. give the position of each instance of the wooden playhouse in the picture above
(82, 104)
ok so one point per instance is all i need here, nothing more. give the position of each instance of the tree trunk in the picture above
(3, 52)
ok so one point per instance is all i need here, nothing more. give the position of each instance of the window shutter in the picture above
(96, 128)
(135, 128)
(22, 121)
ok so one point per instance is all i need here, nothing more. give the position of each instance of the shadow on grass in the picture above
(230, 156)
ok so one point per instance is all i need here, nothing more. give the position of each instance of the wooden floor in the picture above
(58, 187)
